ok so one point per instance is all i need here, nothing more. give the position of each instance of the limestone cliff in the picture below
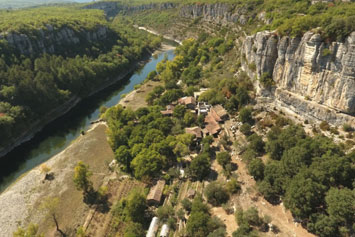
(222, 13)
(51, 40)
(111, 9)
(310, 75)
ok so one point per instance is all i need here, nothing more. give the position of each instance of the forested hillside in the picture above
(335, 19)
(87, 52)
(30, 3)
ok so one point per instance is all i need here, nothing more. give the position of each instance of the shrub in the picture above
(246, 129)
(252, 217)
(326, 52)
(233, 186)
(186, 204)
(324, 126)
(347, 127)
(256, 143)
(281, 121)
(245, 115)
(223, 158)
(334, 130)
(252, 67)
(266, 80)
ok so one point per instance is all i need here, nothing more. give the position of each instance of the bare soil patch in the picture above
(136, 98)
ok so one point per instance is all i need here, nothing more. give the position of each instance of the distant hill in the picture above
(29, 3)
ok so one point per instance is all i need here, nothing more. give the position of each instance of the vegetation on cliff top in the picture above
(30, 86)
(289, 17)
(32, 19)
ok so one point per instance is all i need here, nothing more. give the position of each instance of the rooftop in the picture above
(156, 191)
(218, 113)
(187, 100)
(194, 131)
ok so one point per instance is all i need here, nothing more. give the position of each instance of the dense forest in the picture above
(33, 85)
(14, 4)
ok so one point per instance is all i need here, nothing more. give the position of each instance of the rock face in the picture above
(111, 9)
(222, 13)
(50, 40)
(218, 13)
(314, 77)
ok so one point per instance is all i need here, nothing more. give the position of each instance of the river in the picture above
(57, 135)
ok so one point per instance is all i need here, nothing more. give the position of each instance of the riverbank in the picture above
(69, 105)
(20, 202)
(158, 34)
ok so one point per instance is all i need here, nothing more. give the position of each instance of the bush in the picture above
(256, 143)
(233, 186)
(256, 169)
(252, 67)
(246, 129)
(186, 204)
(266, 80)
(252, 217)
(223, 158)
(347, 127)
(216, 194)
(245, 115)
(324, 126)
(326, 52)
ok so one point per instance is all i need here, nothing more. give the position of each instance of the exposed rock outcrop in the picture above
(113, 8)
(311, 76)
(50, 40)
(223, 13)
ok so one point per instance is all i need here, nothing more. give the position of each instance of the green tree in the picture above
(200, 167)
(123, 157)
(304, 195)
(147, 163)
(341, 205)
(256, 143)
(164, 212)
(323, 225)
(233, 186)
(256, 169)
(223, 158)
(81, 177)
(246, 129)
(186, 204)
(133, 229)
(252, 217)
(216, 194)
(179, 111)
(132, 209)
(245, 115)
